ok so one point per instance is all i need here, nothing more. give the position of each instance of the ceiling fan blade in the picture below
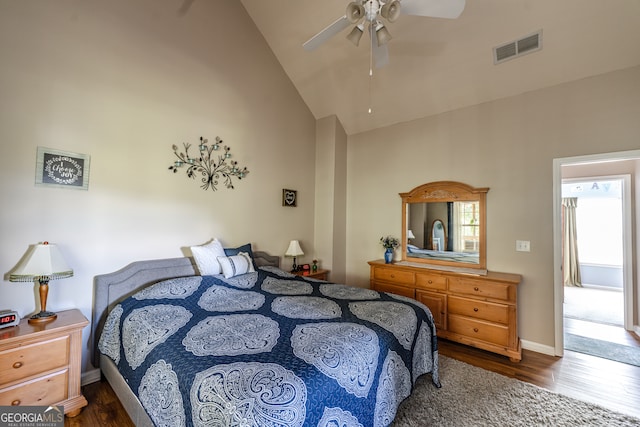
(433, 8)
(324, 35)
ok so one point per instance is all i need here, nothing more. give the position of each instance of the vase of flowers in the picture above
(389, 243)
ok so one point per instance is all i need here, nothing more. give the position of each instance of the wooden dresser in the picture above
(480, 311)
(40, 365)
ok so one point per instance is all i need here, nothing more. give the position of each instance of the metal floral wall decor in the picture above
(212, 163)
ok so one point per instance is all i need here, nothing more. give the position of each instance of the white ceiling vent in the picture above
(510, 50)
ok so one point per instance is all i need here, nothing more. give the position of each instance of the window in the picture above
(467, 229)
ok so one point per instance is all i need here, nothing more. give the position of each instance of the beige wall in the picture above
(330, 213)
(122, 82)
(507, 145)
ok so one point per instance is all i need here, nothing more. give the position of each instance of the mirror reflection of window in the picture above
(467, 229)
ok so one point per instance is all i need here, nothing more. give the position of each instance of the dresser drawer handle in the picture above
(393, 276)
(476, 289)
(430, 281)
(475, 309)
(15, 402)
(475, 329)
(17, 365)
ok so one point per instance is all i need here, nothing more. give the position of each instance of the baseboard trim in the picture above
(91, 376)
(538, 348)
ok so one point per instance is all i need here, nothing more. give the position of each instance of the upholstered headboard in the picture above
(111, 288)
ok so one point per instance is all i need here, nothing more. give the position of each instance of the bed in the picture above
(265, 348)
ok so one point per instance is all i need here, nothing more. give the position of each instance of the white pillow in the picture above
(236, 264)
(206, 257)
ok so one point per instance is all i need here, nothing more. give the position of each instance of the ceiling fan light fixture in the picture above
(391, 10)
(355, 12)
(382, 35)
(355, 34)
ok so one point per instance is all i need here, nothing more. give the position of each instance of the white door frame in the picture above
(627, 269)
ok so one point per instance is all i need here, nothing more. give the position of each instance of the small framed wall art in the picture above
(62, 169)
(289, 197)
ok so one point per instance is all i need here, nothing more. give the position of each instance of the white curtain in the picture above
(570, 264)
(458, 236)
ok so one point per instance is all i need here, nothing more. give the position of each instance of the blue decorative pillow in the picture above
(244, 248)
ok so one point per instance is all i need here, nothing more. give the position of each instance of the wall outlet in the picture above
(523, 246)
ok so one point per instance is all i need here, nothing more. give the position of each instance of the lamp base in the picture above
(42, 317)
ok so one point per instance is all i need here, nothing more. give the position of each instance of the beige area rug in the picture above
(472, 396)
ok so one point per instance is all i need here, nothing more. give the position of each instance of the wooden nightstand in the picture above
(40, 364)
(320, 274)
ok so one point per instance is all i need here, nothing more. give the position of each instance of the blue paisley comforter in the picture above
(269, 349)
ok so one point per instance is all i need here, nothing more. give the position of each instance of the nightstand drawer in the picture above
(32, 359)
(479, 330)
(396, 276)
(479, 309)
(320, 274)
(42, 391)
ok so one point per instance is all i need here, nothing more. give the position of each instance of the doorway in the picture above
(593, 249)
(593, 264)
(594, 164)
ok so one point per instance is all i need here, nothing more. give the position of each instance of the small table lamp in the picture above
(410, 235)
(294, 250)
(42, 262)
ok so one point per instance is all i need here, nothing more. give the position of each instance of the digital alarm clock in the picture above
(9, 318)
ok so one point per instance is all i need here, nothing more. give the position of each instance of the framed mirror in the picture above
(438, 236)
(444, 225)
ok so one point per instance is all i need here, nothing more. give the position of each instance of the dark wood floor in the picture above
(610, 384)
(104, 408)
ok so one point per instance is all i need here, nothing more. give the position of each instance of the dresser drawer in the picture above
(32, 359)
(479, 329)
(481, 289)
(394, 289)
(431, 281)
(41, 391)
(393, 275)
(479, 309)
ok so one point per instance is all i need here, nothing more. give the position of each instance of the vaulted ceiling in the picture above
(438, 65)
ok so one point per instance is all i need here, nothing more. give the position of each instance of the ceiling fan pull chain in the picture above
(370, 101)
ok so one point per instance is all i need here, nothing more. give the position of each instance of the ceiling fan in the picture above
(373, 13)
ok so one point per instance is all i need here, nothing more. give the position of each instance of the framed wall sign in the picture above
(289, 197)
(55, 168)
